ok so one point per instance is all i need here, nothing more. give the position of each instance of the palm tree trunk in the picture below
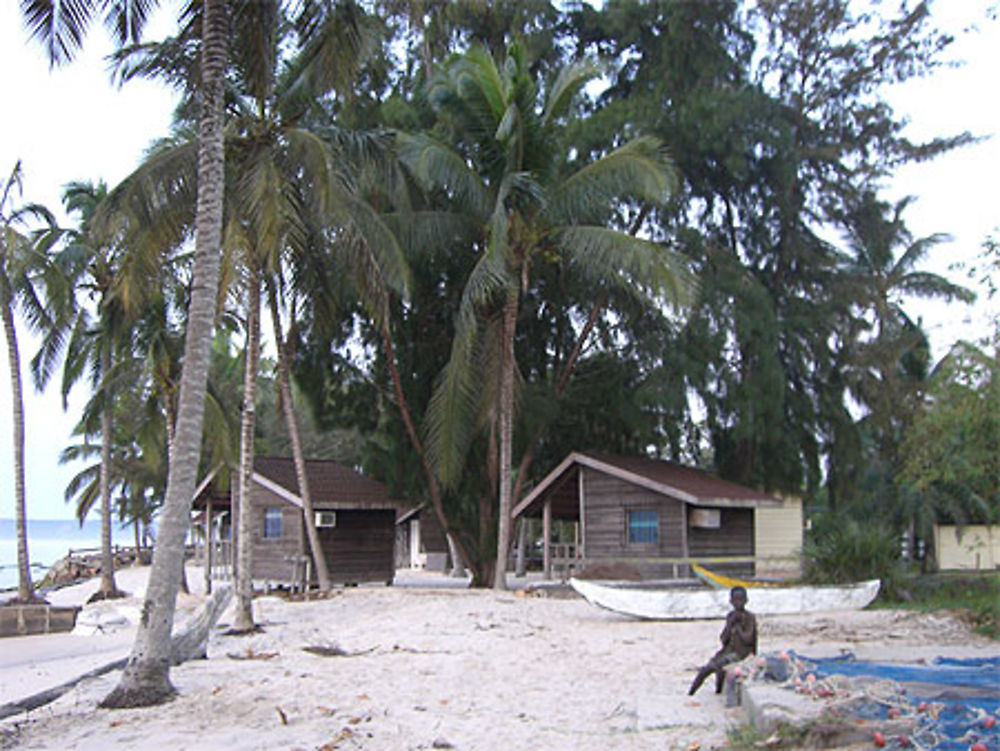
(107, 587)
(243, 619)
(506, 436)
(460, 556)
(146, 679)
(25, 589)
(288, 407)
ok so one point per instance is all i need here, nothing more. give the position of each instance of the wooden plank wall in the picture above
(605, 523)
(735, 537)
(360, 547)
(270, 556)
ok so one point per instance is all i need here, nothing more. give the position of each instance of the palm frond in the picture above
(437, 166)
(930, 285)
(426, 233)
(172, 61)
(631, 264)
(568, 83)
(639, 169)
(59, 25)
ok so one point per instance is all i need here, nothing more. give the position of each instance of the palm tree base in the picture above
(142, 685)
(112, 594)
(235, 631)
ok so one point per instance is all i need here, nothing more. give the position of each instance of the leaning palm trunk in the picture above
(25, 589)
(506, 436)
(146, 680)
(243, 620)
(288, 407)
(459, 555)
(107, 587)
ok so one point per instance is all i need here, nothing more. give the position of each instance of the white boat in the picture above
(694, 603)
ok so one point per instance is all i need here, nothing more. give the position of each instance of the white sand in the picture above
(434, 668)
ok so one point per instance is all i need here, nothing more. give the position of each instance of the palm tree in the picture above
(889, 367)
(91, 345)
(515, 173)
(21, 262)
(289, 199)
(137, 469)
(882, 271)
(145, 680)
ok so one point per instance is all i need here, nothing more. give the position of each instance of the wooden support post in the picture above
(209, 544)
(581, 528)
(521, 561)
(547, 538)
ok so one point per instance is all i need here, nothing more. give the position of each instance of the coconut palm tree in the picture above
(890, 366)
(534, 201)
(22, 262)
(61, 30)
(91, 345)
(289, 197)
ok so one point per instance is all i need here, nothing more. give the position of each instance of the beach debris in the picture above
(332, 650)
(282, 715)
(190, 640)
(334, 743)
(442, 743)
(251, 654)
(878, 738)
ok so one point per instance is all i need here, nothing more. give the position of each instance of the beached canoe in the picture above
(688, 603)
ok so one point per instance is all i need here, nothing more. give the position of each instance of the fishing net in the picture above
(955, 703)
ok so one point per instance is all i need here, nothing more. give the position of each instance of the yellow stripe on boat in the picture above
(727, 582)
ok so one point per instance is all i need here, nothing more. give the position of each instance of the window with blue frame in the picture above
(272, 523)
(643, 525)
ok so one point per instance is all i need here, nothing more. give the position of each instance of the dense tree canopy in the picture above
(519, 154)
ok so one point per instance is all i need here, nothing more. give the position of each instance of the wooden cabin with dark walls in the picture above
(355, 519)
(656, 517)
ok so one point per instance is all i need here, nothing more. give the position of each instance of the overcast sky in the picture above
(70, 124)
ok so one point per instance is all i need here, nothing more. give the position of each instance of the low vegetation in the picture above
(975, 596)
(841, 549)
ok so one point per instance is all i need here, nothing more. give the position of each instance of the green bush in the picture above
(841, 549)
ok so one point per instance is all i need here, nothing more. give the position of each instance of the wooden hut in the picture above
(657, 517)
(420, 541)
(355, 519)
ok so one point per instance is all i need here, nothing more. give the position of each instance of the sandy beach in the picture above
(424, 665)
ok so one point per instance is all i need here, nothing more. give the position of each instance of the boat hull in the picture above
(693, 604)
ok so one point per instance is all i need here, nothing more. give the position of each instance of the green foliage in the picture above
(729, 138)
(841, 549)
(952, 449)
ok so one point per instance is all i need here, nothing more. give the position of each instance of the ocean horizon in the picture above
(49, 540)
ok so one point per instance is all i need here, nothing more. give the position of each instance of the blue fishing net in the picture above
(953, 699)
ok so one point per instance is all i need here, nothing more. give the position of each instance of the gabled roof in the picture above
(687, 484)
(331, 485)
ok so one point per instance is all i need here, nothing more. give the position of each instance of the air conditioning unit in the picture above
(326, 518)
(706, 518)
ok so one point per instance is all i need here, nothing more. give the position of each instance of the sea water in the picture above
(48, 541)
